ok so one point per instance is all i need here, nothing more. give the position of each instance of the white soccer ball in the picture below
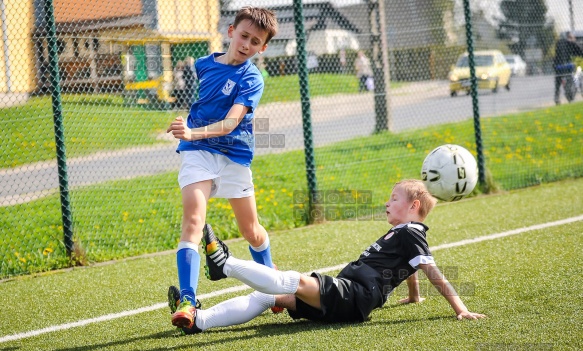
(449, 172)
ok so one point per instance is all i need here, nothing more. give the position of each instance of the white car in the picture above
(517, 65)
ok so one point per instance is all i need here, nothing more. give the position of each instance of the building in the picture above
(112, 46)
(17, 79)
(327, 30)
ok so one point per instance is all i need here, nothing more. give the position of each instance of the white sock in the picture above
(234, 311)
(263, 246)
(262, 278)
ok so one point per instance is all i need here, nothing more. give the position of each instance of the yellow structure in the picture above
(98, 39)
(17, 69)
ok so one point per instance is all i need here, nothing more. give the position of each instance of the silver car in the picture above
(517, 65)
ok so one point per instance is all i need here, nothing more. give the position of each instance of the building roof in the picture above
(89, 10)
(409, 24)
(316, 16)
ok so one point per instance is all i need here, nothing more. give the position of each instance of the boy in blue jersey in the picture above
(217, 146)
(359, 288)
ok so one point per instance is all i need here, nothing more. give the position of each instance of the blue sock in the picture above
(262, 254)
(188, 263)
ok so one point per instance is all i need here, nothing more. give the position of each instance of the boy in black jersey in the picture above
(360, 287)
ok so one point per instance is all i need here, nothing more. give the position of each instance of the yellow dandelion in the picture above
(47, 251)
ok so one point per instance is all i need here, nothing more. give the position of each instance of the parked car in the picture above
(492, 71)
(517, 65)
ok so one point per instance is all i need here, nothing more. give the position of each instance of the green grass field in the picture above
(528, 284)
(102, 122)
(129, 217)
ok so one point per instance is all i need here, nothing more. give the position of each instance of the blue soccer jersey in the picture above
(220, 87)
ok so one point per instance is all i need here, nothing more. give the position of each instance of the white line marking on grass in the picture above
(158, 306)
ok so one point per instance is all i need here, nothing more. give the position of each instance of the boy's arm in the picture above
(445, 288)
(181, 131)
(413, 286)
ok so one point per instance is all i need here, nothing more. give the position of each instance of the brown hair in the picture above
(263, 18)
(416, 190)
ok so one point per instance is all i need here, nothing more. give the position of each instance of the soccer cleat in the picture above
(173, 298)
(276, 309)
(184, 315)
(190, 331)
(174, 303)
(216, 254)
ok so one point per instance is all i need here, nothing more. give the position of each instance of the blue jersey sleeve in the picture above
(251, 89)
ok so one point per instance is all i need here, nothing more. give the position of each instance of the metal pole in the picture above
(571, 17)
(380, 65)
(306, 113)
(55, 79)
(476, 108)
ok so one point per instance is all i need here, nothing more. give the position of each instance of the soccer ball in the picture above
(449, 172)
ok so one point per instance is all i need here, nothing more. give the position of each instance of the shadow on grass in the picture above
(259, 331)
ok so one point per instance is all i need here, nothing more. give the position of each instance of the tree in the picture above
(525, 25)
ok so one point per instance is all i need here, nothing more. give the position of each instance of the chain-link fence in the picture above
(356, 94)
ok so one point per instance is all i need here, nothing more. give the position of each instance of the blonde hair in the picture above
(263, 18)
(416, 190)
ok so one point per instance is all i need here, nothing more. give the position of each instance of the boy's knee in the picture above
(253, 234)
(194, 221)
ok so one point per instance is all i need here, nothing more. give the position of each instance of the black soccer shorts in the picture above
(342, 301)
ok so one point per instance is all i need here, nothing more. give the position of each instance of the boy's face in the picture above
(246, 41)
(399, 209)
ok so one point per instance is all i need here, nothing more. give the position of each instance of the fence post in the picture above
(380, 66)
(474, 92)
(54, 78)
(306, 113)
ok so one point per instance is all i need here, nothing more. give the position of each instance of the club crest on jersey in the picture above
(388, 236)
(228, 87)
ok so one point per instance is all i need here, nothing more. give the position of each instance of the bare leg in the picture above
(246, 214)
(194, 201)
(245, 211)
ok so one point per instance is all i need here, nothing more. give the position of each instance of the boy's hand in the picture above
(470, 315)
(411, 300)
(180, 130)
